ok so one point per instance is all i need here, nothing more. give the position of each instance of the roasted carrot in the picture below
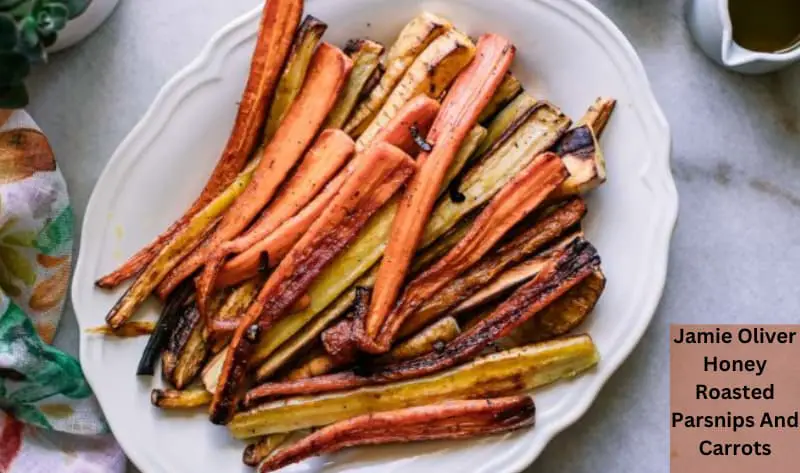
(326, 75)
(446, 420)
(419, 112)
(467, 97)
(279, 20)
(379, 173)
(328, 154)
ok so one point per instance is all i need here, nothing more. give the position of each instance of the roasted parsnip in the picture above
(563, 315)
(509, 88)
(581, 152)
(256, 452)
(413, 39)
(175, 399)
(431, 73)
(506, 121)
(366, 56)
(306, 39)
(509, 372)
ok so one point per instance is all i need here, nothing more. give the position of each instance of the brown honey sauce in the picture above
(770, 26)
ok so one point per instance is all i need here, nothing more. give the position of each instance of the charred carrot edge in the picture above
(419, 112)
(468, 96)
(325, 78)
(521, 196)
(327, 155)
(279, 20)
(564, 270)
(447, 420)
(548, 225)
(378, 174)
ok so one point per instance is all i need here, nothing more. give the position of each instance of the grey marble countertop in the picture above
(736, 158)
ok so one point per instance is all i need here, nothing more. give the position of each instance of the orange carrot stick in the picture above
(469, 95)
(329, 152)
(419, 112)
(379, 173)
(279, 20)
(326, 75)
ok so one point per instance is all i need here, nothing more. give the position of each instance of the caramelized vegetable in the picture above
(366, 57)
(448, 420)
(413, 39)
(186, 350)
(167, 321)
(279, 19)
(501, 374)
(305, 42)
(563, 315)
(256, 452)
(379, 173)
(580, 150)
(534, 134)
(431, 338)
(326, 75)
(508, 89)
(505, 121)
(468, 96)
(174, 399)
(431, 74)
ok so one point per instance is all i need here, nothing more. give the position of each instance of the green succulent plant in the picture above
(27, 29)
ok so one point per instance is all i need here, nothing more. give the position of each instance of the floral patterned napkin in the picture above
(42, 390)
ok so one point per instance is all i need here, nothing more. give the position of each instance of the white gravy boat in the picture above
(710, 23)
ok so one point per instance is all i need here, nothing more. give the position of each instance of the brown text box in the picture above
(687, 371)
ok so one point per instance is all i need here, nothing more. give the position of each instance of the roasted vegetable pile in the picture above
(389, 249)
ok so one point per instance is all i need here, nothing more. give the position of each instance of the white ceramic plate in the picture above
(568, 52)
